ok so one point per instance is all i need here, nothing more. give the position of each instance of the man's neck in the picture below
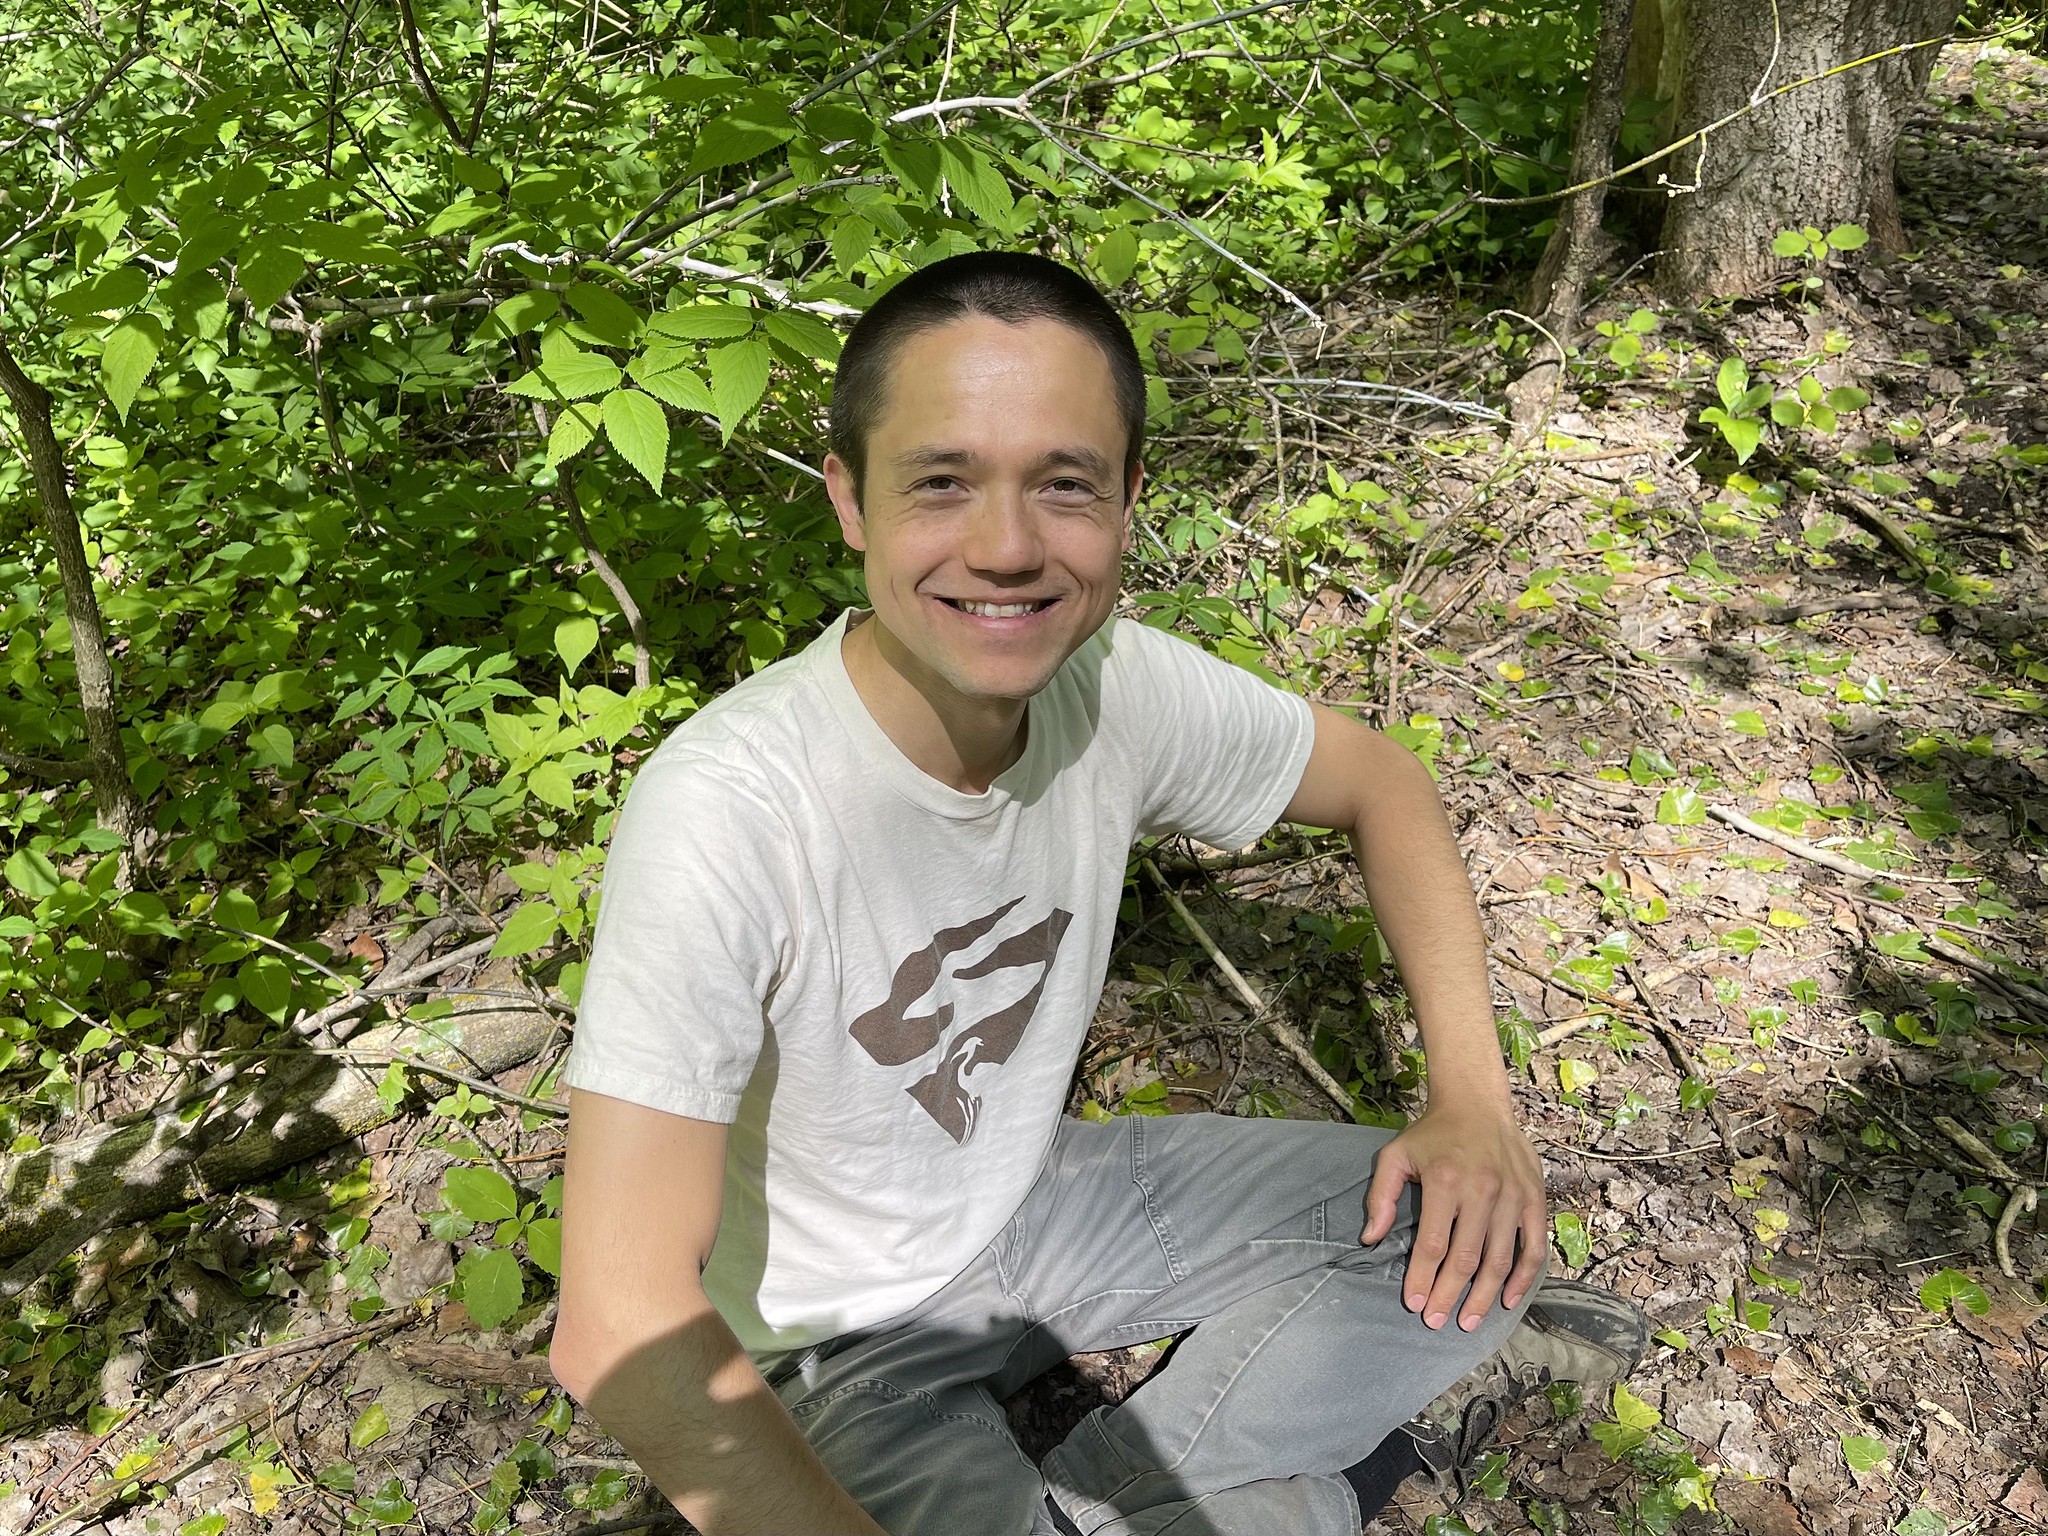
(962, 742)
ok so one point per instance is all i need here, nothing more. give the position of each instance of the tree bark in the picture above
(1557, 292)
(1822, 154)
(306, 1104)
(108, 762)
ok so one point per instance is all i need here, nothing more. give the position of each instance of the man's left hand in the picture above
(1482, 1187)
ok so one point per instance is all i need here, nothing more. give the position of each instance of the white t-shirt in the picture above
(883, 983)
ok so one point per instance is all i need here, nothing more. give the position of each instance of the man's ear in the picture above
(839, 485)
(1131, 505)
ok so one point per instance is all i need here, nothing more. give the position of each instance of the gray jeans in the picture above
(1303, 1360)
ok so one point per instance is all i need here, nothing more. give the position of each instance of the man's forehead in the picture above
(952, 456)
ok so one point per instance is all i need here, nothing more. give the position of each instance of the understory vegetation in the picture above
(438, 391)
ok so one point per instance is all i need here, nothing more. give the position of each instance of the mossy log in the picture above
(300, 1105)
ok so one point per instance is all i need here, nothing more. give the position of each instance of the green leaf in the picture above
(544, 1244)
(1848, 237)
(757, 125)
(521, 313)
(977, 183)
(266, 983)
(1864, 1452)
(481, 1194)
(490, 1285)
(739, 377)
(568, 376)
(1787, 412)
(553, 784)
(266, 271)
(609, 316)
(635, 425)
(32, 874)
(1789, 243)
(1680, 807)
(371, 1425)
(130, 353)
(575, 638)
(1748, 722)
(664, 372)
(1847, 397)
(803, 333)
(1732, 382)
(475, 174)
(1573, 1241)
(704, 322)
(528, 929)
(571, 434)
(1116, 257)
(1922, 1522)
(1743, 435)
(389, 1505)
(1947, 1285)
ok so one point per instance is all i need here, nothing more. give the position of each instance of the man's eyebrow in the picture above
(929, 456)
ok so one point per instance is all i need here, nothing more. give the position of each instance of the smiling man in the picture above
(823, 1210)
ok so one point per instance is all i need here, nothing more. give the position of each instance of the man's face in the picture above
(996, 515)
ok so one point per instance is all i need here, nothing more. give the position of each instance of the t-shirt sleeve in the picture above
(1222, 751)
(692, 931)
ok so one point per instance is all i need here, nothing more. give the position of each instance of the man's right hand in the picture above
(639, 1344)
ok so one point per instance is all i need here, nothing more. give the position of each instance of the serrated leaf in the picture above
(977, 183)
(803, 333)
(490, 1285)
(521, 313)
(759, 123)
(481, 1194)
(636, 426)
(664, 372)
(568, 376)
(265, 271)
(130, 353)
(608, 315)
(571, 433)
(739, 377)
(531, 927)
(575, 638)
(704, 322)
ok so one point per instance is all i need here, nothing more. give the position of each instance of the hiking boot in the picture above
(1571, 1332)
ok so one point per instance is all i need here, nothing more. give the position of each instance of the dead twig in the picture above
(1283, 1033)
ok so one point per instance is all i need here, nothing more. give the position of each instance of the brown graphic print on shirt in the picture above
(893, 1035)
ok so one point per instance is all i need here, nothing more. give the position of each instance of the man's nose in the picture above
(1003, 534)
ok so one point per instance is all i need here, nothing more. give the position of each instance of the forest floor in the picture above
(1738, 1058)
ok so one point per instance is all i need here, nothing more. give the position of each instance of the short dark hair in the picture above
(1012, 286)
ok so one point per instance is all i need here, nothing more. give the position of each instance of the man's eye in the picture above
(1079, 485)
(933, 482)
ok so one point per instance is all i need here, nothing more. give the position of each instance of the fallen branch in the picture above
(460, 1365)
(304, 1105)
(2017, 1204)
(1852, 602)
(1840, 863)
(1284, 1034)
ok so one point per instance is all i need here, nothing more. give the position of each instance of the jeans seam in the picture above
(1162, 1229)
(1222, 1392)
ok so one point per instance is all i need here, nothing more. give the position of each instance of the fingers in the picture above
(1535, 1229)
(1475, 1197)
(1382, 1200)
(1493, 1270)
(1428, 1255)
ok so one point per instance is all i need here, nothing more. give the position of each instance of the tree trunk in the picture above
(1558, 290)
(1821, 154)
(107, 763)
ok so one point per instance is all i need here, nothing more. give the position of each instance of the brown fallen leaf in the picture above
(2028, 1498)
(1745, 1361)
(367, 949)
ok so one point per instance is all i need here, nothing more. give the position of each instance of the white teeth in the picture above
(999, 610)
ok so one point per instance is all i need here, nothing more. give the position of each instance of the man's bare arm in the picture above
(1483, 1220)
(640, 1345)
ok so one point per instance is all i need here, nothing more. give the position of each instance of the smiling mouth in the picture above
(982, 610)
